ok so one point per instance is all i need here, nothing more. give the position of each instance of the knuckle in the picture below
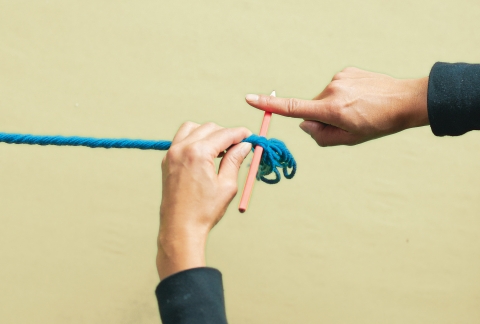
(173, 154)
(164, 162)
(266, 101)
(192, 152)
(211, 125)
(234, 159)
(189, 124)
(321, 141)
(352, 140)
(349, 69)
(231, 188)
(333, 87)
(336, 110)
(291, 105)
(338, 76)
(244, 130)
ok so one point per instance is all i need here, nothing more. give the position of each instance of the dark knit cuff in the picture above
(454, 98)
(192, 296)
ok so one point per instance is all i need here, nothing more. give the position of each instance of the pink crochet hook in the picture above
(257, 155)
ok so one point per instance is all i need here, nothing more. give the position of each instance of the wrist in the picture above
(416, 103)
(178, 251)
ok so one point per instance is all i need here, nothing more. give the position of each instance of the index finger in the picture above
(291, 107)
(222, 139)
(184, 131)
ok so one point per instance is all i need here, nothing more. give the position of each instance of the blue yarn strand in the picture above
(275, 153)
(84, 141)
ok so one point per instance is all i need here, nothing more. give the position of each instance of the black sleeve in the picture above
(453, 99)
(192, 296)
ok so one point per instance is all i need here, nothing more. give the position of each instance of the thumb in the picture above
(328, 135)
(231, 162)
(290, 107)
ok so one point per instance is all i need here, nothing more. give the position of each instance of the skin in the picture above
(355, 107)
(195, 194)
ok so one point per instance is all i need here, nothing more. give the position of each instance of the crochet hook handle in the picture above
(257, 155)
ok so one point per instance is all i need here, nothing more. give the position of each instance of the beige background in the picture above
(385, 232)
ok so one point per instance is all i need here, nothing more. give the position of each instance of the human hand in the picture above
(355, 107)
(194, 195)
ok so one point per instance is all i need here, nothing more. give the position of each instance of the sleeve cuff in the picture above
(192, 296)
(454, 98)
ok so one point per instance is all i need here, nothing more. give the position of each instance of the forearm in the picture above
(178, 252)
(188, 292)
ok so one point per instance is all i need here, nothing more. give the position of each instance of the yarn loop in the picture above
(275, 156)
(275, 153)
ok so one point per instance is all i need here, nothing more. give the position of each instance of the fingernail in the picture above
(251, 97)
(305, 128)
(245, 148)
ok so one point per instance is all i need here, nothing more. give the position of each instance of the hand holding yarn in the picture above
(194, 195)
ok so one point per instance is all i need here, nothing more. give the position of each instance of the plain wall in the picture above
(383, 232)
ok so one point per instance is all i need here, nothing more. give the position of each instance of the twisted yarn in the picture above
(275, 153)
(84, 141)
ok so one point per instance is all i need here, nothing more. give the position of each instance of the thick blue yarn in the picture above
(275, 153)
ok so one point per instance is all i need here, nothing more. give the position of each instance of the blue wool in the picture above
(275, 153)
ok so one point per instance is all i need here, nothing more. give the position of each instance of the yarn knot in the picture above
(275, 156)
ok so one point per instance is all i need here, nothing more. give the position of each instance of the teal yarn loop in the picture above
(275, 156)
(275, 153)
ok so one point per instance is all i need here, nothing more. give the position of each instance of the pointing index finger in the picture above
(290, 107)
